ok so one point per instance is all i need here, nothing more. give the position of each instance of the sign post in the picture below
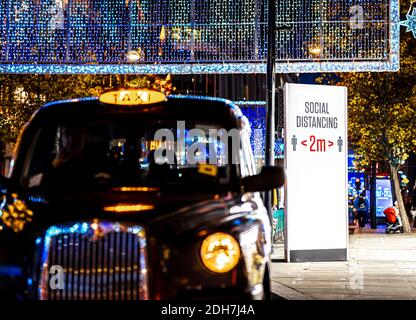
(316, 168)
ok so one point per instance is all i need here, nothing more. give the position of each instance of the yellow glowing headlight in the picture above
(220, 252)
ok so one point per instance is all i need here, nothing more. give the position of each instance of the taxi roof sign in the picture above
(132, 97)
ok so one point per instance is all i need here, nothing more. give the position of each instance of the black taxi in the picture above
(135, 196)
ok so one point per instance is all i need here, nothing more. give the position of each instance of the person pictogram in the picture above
(340, 144)
(294, 142)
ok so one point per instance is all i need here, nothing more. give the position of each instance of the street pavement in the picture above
(380, 267)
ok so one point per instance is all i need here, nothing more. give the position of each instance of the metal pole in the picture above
(271, 89)
(271, 83)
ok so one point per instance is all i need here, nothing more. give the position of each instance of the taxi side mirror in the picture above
(269, 178)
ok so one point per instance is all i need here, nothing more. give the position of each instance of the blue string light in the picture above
(195, 36)
(410, 21)
(255, 111)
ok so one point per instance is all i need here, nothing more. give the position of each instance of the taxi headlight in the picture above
(220, 252)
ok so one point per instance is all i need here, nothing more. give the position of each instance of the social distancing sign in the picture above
(316, 168)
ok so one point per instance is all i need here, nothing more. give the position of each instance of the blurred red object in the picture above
(390, 214)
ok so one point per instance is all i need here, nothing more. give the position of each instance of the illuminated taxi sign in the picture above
(132, 97)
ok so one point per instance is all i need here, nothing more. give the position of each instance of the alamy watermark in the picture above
(356, 277)
(357, 17)
(56, 277)
(215, 146)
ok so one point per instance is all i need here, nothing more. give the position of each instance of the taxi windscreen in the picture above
(83, 154)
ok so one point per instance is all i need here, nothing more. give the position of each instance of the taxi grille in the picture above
(94, 261)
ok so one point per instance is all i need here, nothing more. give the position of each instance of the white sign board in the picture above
(316, 168)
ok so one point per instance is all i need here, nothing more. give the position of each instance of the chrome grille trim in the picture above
(101, 261)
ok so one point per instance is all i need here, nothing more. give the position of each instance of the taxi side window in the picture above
(40, 159)
(250, 156)
(246, 157)
(67, 152)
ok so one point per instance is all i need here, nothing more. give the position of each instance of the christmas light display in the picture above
(410, 22)
(196, 36)
(255, 111)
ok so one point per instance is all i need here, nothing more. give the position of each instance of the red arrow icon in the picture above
(330, 143)
(304, 143)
